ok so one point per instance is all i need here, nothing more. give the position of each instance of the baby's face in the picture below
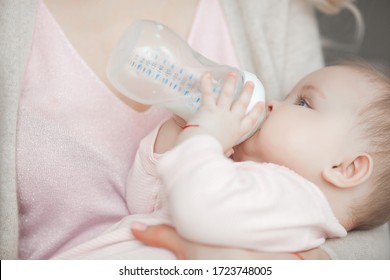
(315, 124)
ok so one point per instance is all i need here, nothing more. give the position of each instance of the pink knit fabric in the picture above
(210, 34)
(75, 145)
(76, 141)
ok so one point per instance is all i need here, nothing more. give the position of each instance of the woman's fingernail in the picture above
(138, 226)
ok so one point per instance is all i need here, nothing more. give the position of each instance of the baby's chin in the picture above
(242, 155)
(248, 150)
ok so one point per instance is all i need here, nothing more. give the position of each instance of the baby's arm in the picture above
(143, 185)
(214, 119)
(167, 134)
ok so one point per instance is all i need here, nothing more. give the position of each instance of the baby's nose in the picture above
(271, 105)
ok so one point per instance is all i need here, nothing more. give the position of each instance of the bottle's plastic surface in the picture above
(152, 65)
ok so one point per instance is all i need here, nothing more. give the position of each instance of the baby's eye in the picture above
(300, 101)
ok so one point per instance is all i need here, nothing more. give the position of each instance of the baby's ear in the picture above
(349, 173)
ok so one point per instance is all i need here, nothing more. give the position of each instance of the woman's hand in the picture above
(164, 236)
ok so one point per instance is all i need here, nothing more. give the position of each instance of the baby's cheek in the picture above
(282, 145)
(271, 146)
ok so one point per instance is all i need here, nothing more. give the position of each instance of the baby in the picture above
(308, 174)
(317, 168)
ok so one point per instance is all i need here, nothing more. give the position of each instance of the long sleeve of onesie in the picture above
(143, 186)
(250, 205)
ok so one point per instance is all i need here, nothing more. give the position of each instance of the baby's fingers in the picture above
(252, 118)
(207, 91)
(225, 99)
(240, 106)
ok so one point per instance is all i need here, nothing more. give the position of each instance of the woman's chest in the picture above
(94, 27)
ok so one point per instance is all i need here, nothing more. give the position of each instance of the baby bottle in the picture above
(152, 65)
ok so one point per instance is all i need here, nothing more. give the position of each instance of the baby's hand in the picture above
(224, 118)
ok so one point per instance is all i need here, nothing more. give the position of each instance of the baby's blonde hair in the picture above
(375, 209)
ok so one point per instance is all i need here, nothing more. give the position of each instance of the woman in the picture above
(75, 135)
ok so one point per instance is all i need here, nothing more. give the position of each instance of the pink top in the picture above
(76, 141)
(210, 34)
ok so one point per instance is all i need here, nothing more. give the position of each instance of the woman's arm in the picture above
(164, 236)
(372, 244)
